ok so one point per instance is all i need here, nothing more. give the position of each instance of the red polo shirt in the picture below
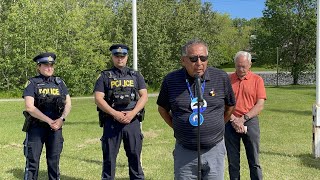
(247, 91)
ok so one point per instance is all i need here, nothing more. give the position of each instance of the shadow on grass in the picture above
(306, 159)
(291, 111)
(119, 165)
(309, 161)
(128, 178)
(98, 162)
(19, 173)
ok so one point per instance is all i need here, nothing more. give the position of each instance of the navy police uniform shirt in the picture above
(31, 89)
(174, 95)
(103, 86)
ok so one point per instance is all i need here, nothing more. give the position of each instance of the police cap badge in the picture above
(45, 58)
(119, 50)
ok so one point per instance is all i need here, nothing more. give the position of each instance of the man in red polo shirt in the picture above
(250, 95)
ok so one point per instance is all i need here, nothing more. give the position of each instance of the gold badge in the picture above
(212, 93)
(50, 59)
(119, 50)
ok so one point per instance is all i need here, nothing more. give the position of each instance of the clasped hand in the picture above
(56, 124)
(124, 117)
(238, 124)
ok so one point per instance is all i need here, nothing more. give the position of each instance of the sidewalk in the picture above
(86, 97)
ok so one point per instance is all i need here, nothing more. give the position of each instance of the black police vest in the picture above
(50, 98)
(121, 93)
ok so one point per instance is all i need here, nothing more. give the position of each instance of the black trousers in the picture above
(251, 141)
(33, 144)
(113, 133)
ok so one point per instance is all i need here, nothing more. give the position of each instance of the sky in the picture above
(238, 8)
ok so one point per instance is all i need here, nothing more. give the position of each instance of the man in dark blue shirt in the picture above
(177, 105)
(121, 94)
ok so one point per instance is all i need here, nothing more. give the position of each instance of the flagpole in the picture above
(134, 34)
(316, 106)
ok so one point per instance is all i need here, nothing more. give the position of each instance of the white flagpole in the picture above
(316, 106)
(135, 47)
(134, 31)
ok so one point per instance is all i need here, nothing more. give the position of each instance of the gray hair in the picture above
(242, 53)
(184, 48)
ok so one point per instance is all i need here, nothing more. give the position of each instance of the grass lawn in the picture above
(286, 141)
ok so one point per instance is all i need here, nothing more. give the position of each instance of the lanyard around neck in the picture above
(203, 85)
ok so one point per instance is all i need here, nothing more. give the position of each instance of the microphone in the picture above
(198, 87)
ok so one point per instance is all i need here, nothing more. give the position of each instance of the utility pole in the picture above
(316, 106)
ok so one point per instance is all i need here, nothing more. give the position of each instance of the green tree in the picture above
(290, 26)
(81, 31)
(77, 30)
(84, 44)
(154, 44)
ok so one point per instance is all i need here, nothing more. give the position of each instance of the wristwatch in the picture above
(62, 118)
(246, 117)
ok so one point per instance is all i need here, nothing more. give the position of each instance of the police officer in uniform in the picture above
(47, 103)
(120, 94)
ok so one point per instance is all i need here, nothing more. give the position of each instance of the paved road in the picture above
(87, 97)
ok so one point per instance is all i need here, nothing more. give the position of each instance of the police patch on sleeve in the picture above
(63, 83)
(98, 76)
(27, 84)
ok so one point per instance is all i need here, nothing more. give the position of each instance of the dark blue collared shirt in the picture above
(174, 96)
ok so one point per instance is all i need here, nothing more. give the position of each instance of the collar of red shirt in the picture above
(246, 77)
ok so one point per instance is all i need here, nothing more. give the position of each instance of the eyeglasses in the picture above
(195, 58)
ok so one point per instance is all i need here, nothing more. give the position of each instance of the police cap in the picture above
(119, 50)
(45, 58)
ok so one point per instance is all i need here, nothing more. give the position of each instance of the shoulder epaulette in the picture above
(57, 80)
(108, 73)
(132, 72)
(36, 80)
